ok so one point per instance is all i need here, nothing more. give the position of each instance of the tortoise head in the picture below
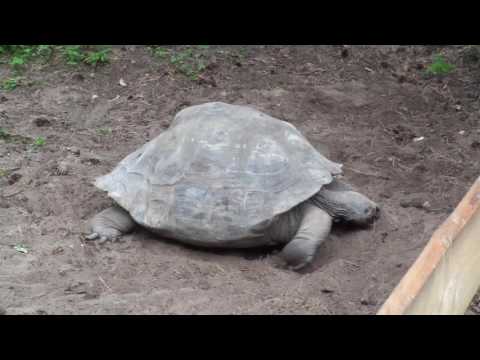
(359, 209)
(347, 206)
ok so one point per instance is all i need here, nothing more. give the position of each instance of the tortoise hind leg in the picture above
(314, 228)
(110, 224)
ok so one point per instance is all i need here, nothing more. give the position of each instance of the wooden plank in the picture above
(446, 275)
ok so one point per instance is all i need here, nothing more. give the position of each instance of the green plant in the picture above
(17, 62)
(72, 54)
(21, 54)
(44, 50)
(39, 142)
(97, 57)
(189, 61)
(3, 173)
(10, 84)
(161, 53)
(440, 66)
(3, 134)
(104, 131)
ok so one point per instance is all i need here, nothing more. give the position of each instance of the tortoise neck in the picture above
(333, 202)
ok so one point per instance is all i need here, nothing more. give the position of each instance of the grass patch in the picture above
(10, 84)
(190, 61)
(39, 142)
(104, 131)
(440, 66)
(19, 56)
(12, 138)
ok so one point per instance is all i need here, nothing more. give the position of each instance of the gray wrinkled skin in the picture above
(219, 174)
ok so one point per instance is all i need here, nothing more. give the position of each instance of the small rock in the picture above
(3, 99)
(475, 145)
(416, 201)
(41, 122)
(57, 251)
(12, 179)
(74, 150)
(327, 291)
(344, 53)
(461, 132)
(384, 64)
(78, 77)
(420, 168)
(122, 82)
(91, 161)
(401, 77)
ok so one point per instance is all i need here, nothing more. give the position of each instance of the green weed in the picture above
(39, 142)
(189, 61)
(104, 131)
(97, 57)
(10, 84)
(440, 66)
(72, 54)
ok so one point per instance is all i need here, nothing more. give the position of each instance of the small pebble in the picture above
(41, 122)
(78, 77)
(74, 150)
(12, 179)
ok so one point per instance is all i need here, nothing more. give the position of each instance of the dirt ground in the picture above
(363, 106)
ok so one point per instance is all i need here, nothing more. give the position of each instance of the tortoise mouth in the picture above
(372, 217)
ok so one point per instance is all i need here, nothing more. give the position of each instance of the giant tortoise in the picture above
(230, 176)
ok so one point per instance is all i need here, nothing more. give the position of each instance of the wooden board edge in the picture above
(415, 282)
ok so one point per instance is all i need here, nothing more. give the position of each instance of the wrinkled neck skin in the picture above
(335, 203)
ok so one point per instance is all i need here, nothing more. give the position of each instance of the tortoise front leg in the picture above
(110, 224)
(313, 230)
